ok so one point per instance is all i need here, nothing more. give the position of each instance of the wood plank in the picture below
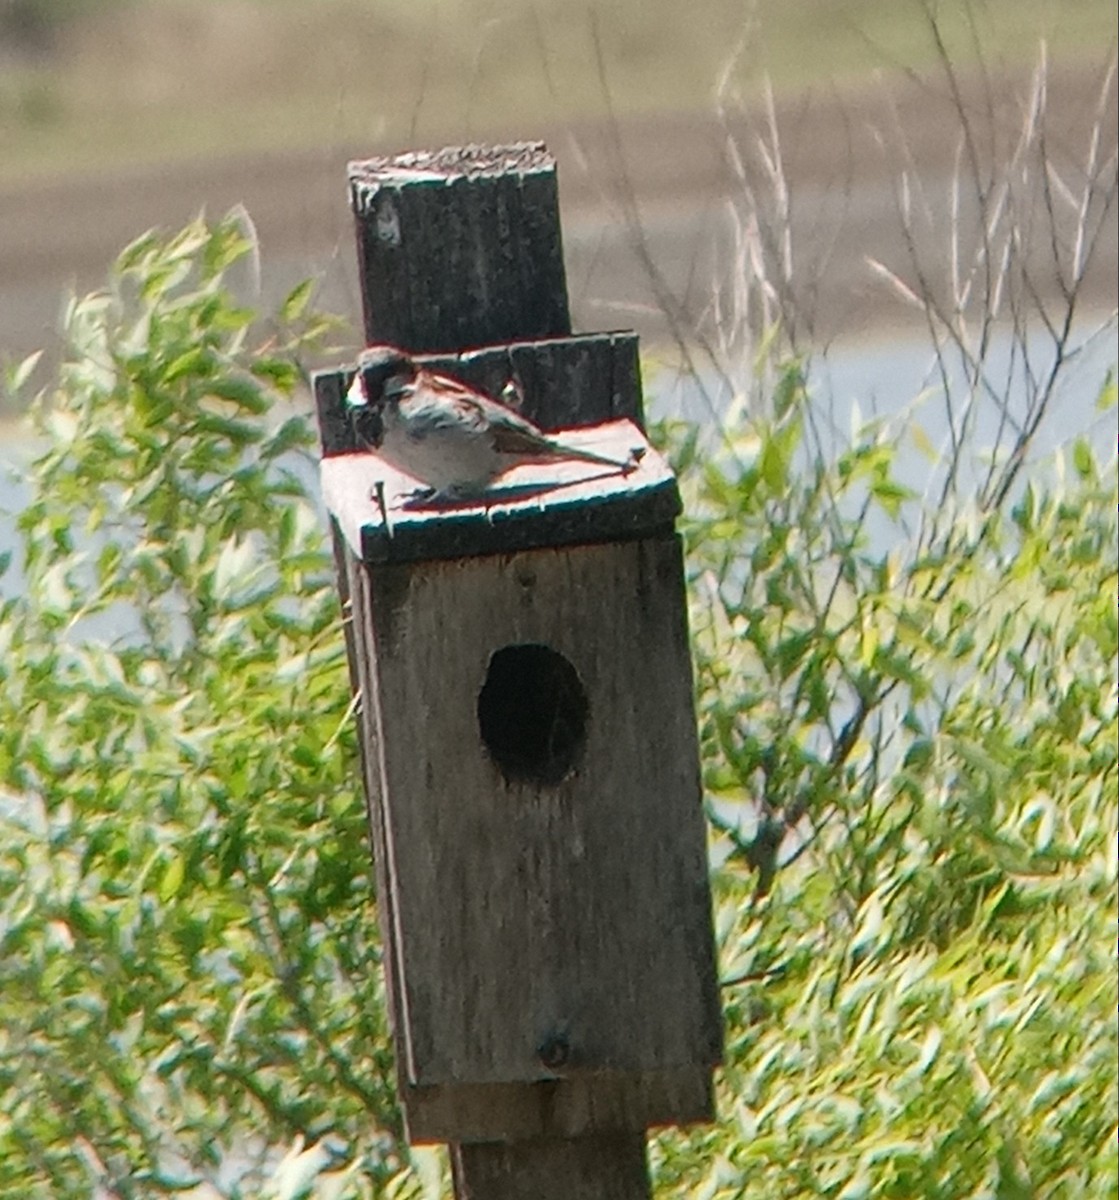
(567, 382)
(565, 503)
(358, 587)
(570, 1107)
(603, 1167)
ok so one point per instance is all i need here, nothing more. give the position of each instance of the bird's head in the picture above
(383, 372)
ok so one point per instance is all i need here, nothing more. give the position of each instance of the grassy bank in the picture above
(133, 81)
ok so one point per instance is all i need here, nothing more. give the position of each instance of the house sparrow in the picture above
(442, 432)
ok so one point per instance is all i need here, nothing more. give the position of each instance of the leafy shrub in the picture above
(188, 971)
(911, 758)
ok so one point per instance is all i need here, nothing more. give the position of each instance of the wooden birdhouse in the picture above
(531, 768)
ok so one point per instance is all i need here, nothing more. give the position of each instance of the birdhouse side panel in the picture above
(363, 674)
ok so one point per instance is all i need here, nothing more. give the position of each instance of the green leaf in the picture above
(138, 251)
(296, 302)
(773, 463)
(1108, 396)
(18, 375)
(197, 362)
(1083, 459)
(292, 433)
(172, 880)
(284, 376)
(890, 495)
(245, 393)
(240, 433)
(923, 442)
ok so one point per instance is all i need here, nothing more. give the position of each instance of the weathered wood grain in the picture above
(355, 583)
(605, 1167)
(563, 503)
(548, 941)
(567, 383)
(527, 914)
(571, 1107)
(460, 247)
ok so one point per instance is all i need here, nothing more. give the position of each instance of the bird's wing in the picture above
(514, 435)
(456, 404)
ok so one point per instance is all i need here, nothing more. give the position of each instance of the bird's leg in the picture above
(379, 496)
(418, 496)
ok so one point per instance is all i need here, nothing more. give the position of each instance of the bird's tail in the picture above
(602, 460)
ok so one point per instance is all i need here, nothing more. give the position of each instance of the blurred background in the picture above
(120, 115)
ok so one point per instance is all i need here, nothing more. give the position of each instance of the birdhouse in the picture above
(532, 772)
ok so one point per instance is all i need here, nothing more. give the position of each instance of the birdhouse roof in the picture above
(559, 504)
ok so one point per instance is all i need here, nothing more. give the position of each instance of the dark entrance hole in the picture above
(532, 713)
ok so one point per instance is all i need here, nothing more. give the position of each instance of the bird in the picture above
(452, 438)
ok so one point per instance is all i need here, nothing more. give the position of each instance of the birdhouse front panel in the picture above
(545, 846)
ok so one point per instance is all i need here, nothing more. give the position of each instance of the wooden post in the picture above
(603, 1166)
(460, 248)
(543, 895)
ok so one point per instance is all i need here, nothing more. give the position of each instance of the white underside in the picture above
(448, 460)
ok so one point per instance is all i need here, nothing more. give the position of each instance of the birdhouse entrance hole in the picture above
(532, 714)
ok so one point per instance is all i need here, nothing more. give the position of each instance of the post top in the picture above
(565, 503)
(451, 162)
(460, 246)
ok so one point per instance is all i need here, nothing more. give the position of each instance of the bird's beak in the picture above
(367, 421)
(356, 397)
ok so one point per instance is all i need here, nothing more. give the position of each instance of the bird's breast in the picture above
(440, 457)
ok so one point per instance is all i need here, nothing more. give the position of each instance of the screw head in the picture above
(554, 1051)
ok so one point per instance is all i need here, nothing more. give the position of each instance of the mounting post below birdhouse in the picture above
(527, 725)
